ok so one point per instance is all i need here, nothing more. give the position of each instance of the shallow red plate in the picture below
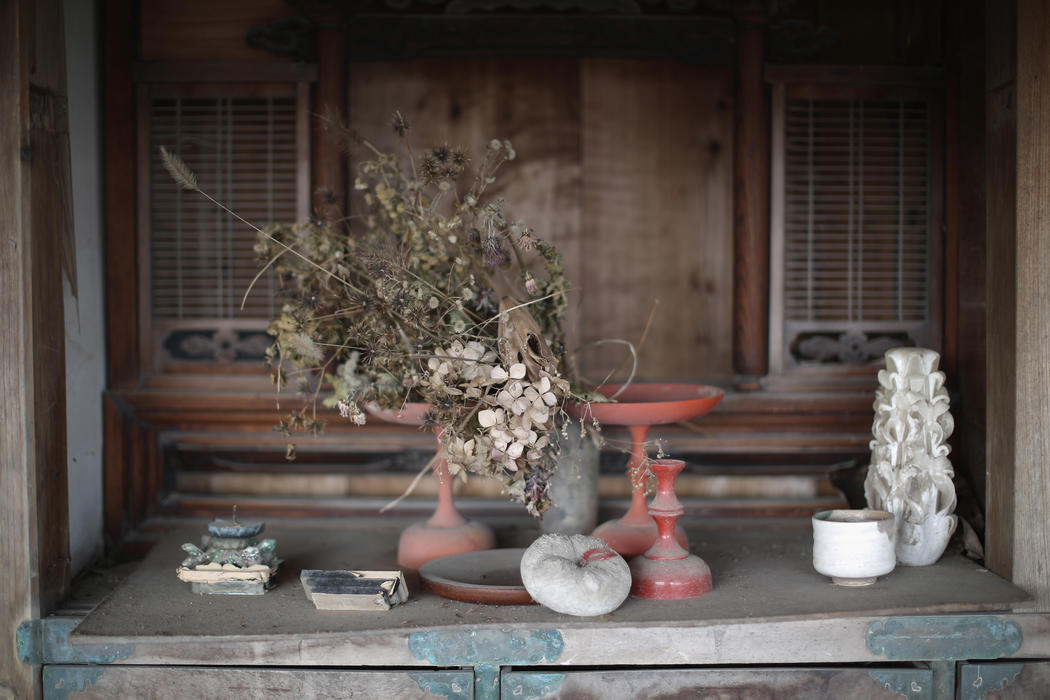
(650, 404)
(490, 577)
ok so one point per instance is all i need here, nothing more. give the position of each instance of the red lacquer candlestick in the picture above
(667, 571)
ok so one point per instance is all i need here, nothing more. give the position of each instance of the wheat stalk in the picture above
(179, 171)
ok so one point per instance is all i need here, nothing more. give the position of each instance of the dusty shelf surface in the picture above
(762, 571)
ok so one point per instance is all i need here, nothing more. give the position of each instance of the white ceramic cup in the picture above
(854, 547)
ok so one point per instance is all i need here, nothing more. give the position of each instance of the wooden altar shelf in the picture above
(769, 608)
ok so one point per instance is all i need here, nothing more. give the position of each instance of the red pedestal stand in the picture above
(667, 571)
(446, 531)
(638, 407)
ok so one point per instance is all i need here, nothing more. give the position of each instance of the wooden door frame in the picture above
(34, 156)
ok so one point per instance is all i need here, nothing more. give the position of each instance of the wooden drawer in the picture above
(167, 682)
(808, 683)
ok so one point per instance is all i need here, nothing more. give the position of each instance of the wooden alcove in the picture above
(986, 63)
(644, 155)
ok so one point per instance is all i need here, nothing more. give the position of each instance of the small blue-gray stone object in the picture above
(233, 528)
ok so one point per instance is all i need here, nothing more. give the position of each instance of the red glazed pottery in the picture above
(638, 407)
(667, 571)
(446, 531)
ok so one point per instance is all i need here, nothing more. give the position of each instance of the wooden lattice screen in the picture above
(245, 150)
(855, 227)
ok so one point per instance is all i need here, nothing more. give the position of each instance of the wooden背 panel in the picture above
(812, 683)
(91, 682)
(532, 102)
(1026, 352)
(657, 216)
(202, 30)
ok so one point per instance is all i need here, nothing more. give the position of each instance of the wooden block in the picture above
(228, 587)
(227, 579)
(354, 590)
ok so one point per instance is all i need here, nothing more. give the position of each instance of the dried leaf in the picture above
(179, 171)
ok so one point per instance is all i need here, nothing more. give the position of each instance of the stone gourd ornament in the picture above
(910, 475)
(575, 575)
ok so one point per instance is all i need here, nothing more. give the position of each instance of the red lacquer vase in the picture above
(667, 571)
(446, 531)
(638, 407)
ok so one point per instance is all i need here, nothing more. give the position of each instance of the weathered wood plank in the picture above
(969, 372)
(829, 640)
(327, 163)
(534, 103)
(89, 683)
(1031, 512)
(1018, 539)
(657, 144)
(751, 159)
(201, 30)
(122, 327)
(17, 601)
(49, 231)
(811, 683)
(34, 535)
(768, 605)
(1002, 381)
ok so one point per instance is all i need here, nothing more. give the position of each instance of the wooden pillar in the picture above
(1018, 417)
(34, 170)
(122, 306)
(328, 157)
(751, 200)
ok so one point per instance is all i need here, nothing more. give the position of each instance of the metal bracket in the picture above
(912, 683)
(527, 685)
(46, 641)
(486, 651)
(977, 680)
(453, 685)
(944, 637)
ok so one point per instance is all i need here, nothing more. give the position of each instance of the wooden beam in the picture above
(1031, 514)
(328, 157)
(34, 512)
(1001, 183)
(122, 352)
(751, 203)
(1019, 296)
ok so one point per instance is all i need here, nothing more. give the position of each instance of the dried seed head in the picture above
(400, 124)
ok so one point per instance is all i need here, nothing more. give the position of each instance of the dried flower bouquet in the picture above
(430, 295)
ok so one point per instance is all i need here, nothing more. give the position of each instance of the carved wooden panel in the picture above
(856, 224)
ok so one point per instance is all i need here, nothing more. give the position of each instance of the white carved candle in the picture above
(910, 475)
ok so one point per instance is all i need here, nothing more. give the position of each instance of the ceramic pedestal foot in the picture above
(421, 542)
(446, 532)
